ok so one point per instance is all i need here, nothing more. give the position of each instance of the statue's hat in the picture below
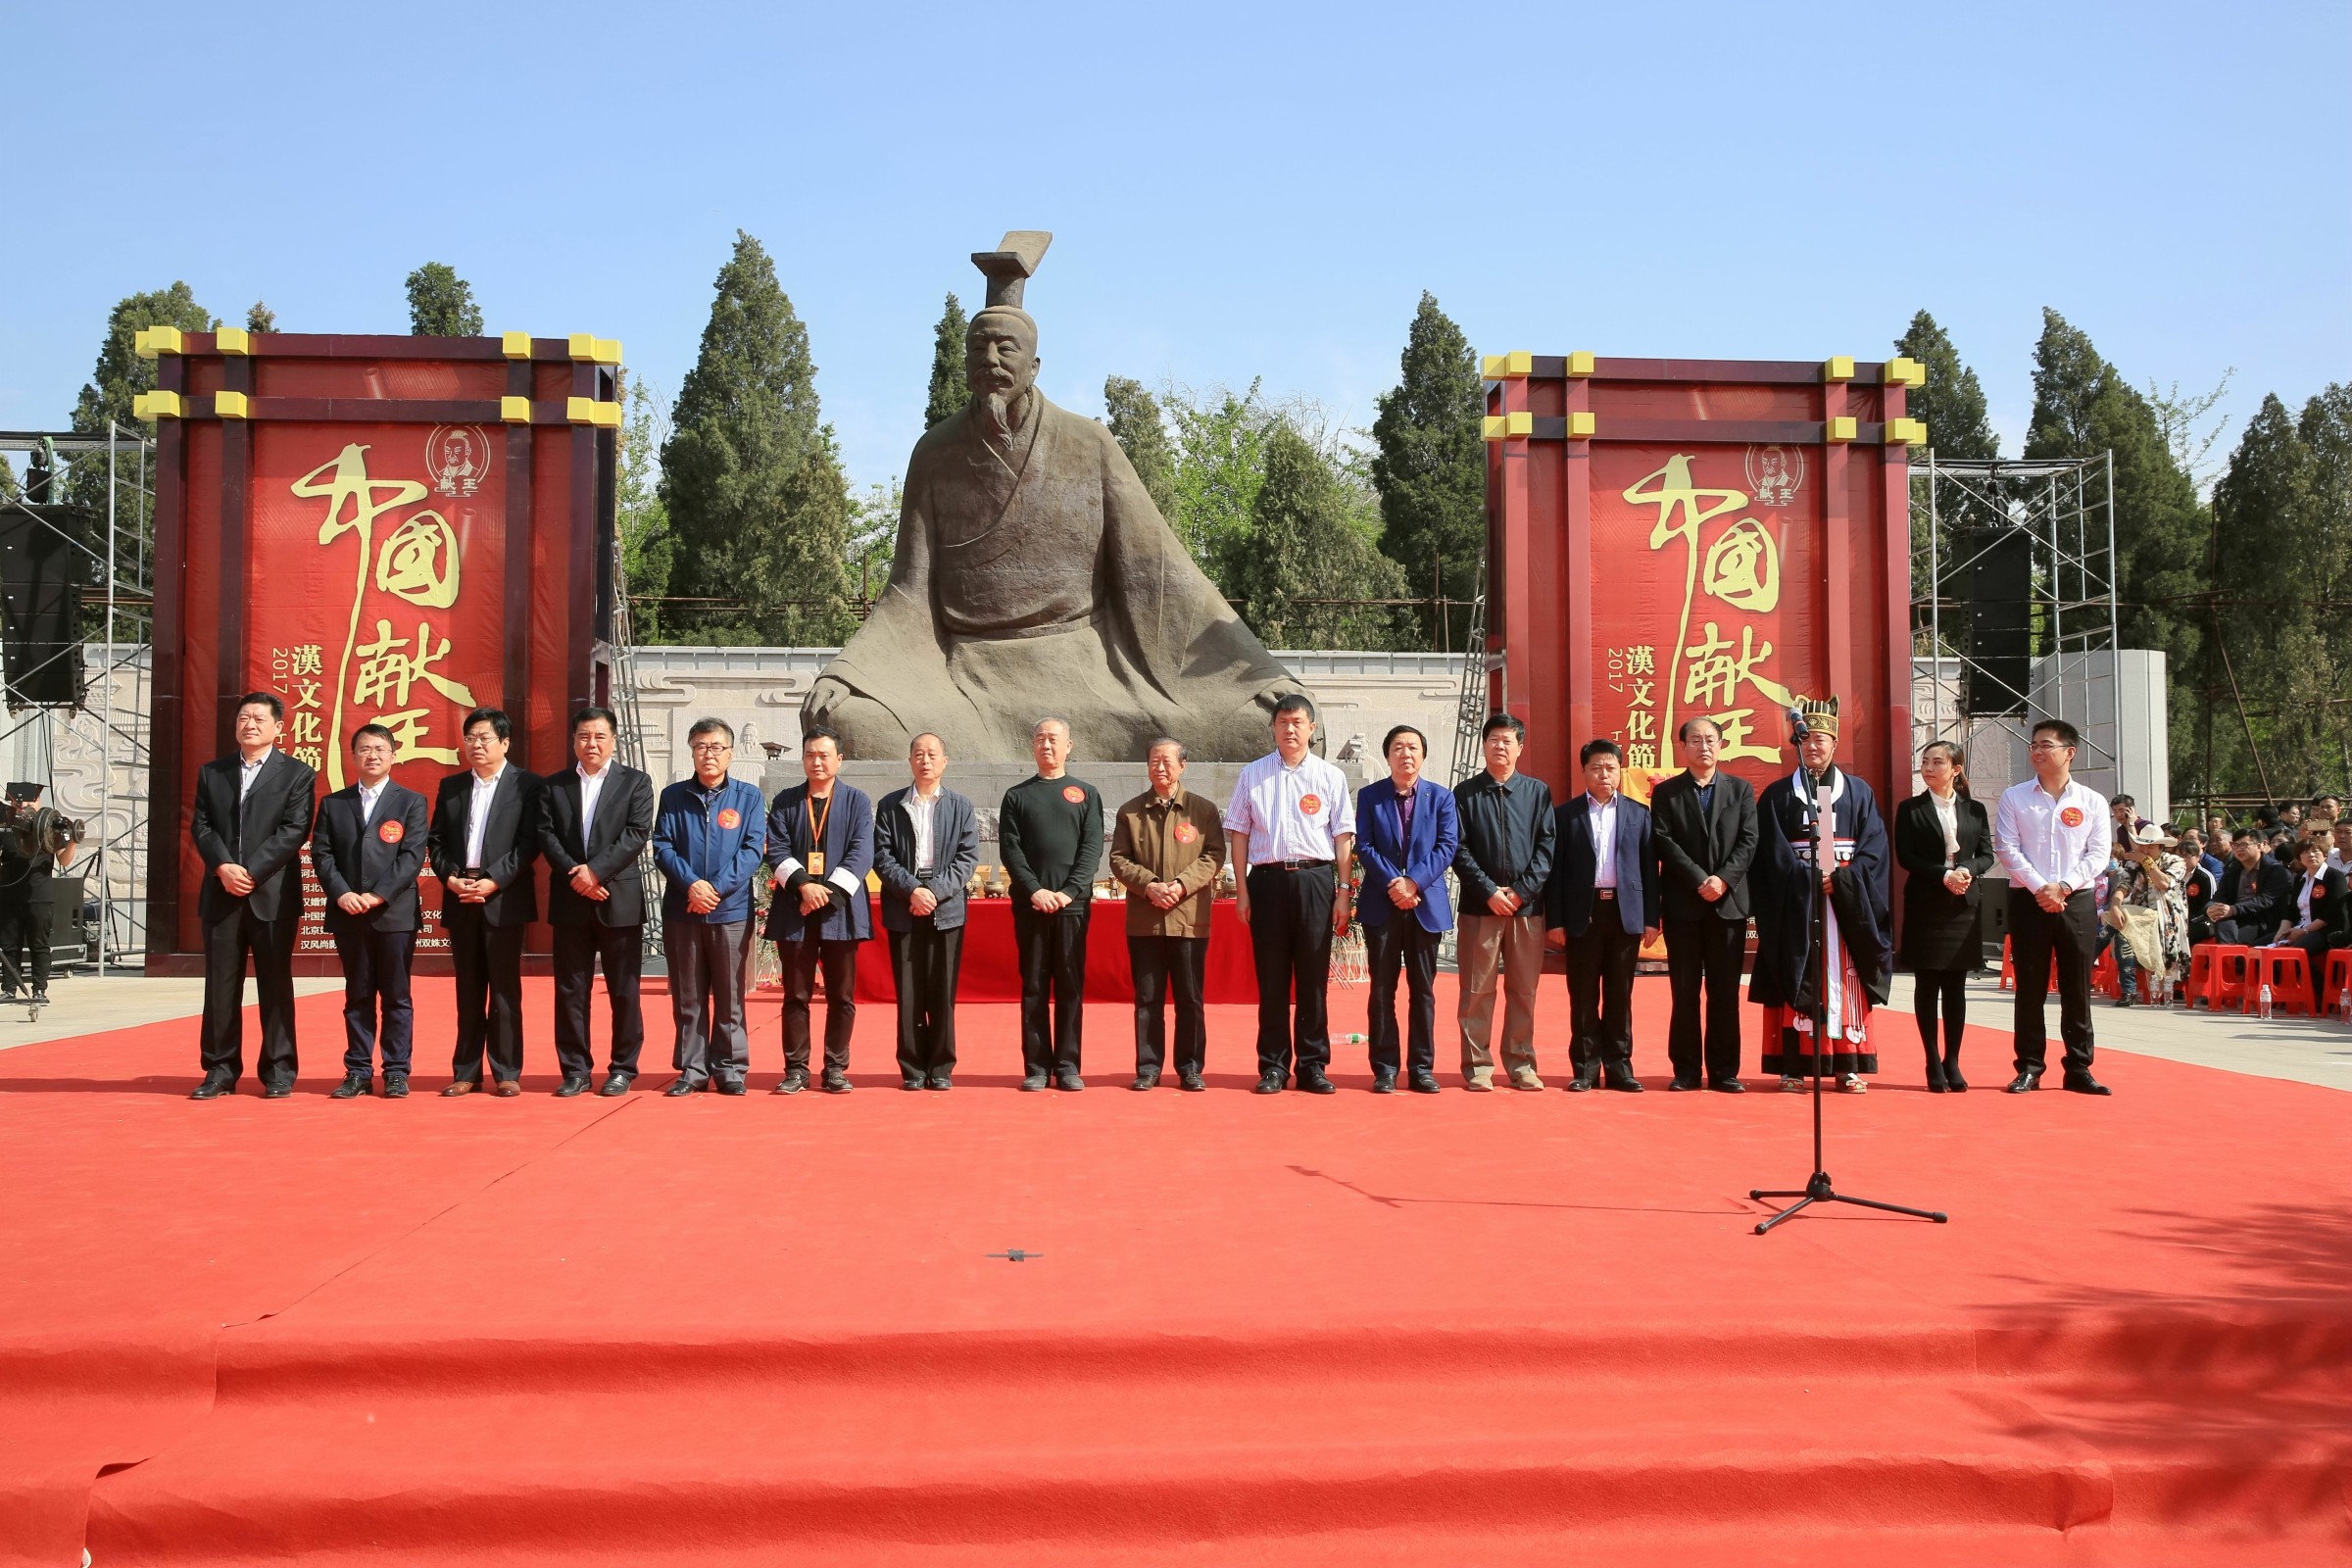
(1010, 266)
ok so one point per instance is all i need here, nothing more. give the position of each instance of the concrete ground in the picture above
(85, 1004)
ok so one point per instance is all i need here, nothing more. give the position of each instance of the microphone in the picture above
(1799, 729)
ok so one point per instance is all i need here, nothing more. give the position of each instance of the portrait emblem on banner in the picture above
(1774, 473)
(456, 459)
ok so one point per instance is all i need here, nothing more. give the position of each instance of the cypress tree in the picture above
(1952, 401)
(1141, 430)
(441, 302)
(1431, 463)
(756, 500)
(1304, 545)
(118, 378)
(949, 390)
(2083, 408)
(260, 318)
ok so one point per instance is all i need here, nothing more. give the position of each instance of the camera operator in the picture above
(33, 844)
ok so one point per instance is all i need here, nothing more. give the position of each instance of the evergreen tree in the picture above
(2082, 408)
(1304, 545)
(1951, 402)
(949, 389)
(1220, 453)
(1141, 431)
(441, 302)
(261, 318)
(756, 496)
(647, 549)
(1430, 465)
(115, 383)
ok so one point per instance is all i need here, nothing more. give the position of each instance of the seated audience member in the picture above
(2254, 893)
(2148, 908)
(2321, 915)
(2340, 855)
(2203, 876)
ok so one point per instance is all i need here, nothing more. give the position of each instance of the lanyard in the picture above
(817, 821)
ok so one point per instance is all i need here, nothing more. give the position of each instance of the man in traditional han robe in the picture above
(1860, 943)
(1033, 573)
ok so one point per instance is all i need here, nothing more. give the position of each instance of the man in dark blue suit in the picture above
(365, 852)
(820, 845)
(1602, 899)
(1406, 833)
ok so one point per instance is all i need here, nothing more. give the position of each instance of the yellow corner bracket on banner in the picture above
(595, 350)
(150, 341)
(230, 406)
(588, 411)
(515, 411)
(1842, 428)
(154, 406)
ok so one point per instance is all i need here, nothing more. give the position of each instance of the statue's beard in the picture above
(1003, 412)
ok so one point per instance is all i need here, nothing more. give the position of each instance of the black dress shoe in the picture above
(2025, 1082)
(1313, 1081)
(680, 1088)
(1621, 1080)
(1586, 1078)
(1681, 1086)
(914, 1084)
(1035, 1083)
(616, 1084)
(795, 1080)
(730, 1086)
(1728, 1086)
(214, 1085)
(1189, 1082)
(277, 1092)
(1423, 1082)
(1384, 1080)
(1143, 1081)
(354, 1085)
(2082, 1083)
(572, 1084)
(395, 1088)
(940, 1080)
(837, 1082)
(1268, 1083)
(1069, 1083)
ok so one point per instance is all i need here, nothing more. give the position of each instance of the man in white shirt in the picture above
(2051, 835)
(1291, 830)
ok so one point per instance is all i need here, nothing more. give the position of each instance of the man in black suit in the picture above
(1602, 900)
(366, 851)
(926, 847)
(2256, 895)
(253, 811)
(482, 848)
(595, 818)
(1705, 822)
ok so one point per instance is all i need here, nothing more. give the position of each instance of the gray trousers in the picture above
(709, 968)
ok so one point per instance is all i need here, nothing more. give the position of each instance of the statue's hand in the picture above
(824, 697)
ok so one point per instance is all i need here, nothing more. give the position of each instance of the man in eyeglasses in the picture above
(2051, 836)
(1704, 823)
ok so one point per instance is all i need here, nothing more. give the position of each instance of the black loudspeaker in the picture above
(40, 604)
(2000, 621)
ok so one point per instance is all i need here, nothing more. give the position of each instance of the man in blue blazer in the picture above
(926, 848)
(1407, 834)
(820, 845)
(1602, 901)
(366, 851)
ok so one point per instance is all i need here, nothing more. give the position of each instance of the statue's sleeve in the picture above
(897, 649)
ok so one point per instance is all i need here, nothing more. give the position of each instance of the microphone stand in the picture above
(1818, 1188)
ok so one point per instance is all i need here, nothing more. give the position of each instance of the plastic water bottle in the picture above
(1355, 1040)
(2343, 1004)
(2263, 1004)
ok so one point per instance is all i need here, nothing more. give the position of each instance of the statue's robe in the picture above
(1860, 947)
(1037, 578)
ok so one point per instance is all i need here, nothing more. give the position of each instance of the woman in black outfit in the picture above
(1943, 839)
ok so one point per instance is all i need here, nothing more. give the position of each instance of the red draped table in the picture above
(992, 970)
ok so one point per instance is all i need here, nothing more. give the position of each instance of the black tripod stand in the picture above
(1817, 1188)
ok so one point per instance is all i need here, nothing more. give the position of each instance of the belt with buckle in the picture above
(1288, 865)
(1608, 894)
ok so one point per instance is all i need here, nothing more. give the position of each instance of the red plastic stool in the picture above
(2229, 965)
(2201, 971)
(2275, 967)
(2009, 970)
(2339, 976)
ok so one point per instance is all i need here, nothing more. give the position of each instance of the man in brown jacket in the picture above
(1167, 849)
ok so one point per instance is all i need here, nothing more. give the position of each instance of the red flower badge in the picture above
(730, 819)
(1186, 832)
(2072, 817)
(1311, 805)
(392, 832)
(1073, 794)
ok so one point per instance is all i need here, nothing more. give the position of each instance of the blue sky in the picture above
(1235, 191)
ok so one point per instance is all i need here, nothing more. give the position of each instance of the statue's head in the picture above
(1000, 357)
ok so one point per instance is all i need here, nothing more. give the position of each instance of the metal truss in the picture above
(2065, 510)
(108, 722)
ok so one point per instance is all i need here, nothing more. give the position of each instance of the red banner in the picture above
(376, 585)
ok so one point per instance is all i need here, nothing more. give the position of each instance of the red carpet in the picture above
(1497, 1329)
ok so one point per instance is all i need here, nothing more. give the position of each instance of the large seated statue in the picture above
(1034, 575)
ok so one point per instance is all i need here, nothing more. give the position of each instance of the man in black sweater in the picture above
(2256, 894)
(1049, 829)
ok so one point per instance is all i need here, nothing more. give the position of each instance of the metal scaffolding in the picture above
(2063, 509)
(111, 720)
